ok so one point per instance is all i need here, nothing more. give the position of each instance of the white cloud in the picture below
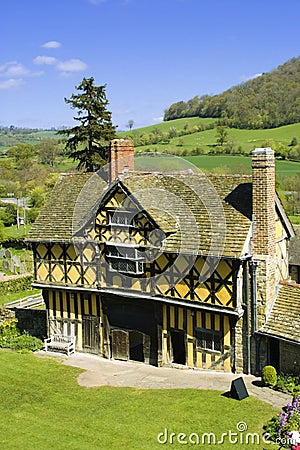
(11, 83)
(13, 69)
(6, 65)
(52, 44)
(49, 60)
(71, 65)
(17, 70)
(64, 67)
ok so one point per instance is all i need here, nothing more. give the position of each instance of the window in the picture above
(209, 340)
(125, 259)
(120, 218)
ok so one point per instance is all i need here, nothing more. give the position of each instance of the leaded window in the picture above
(209, 340)
(126, 259)
(120, 218)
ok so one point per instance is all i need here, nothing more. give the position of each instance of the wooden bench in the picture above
(60, 342)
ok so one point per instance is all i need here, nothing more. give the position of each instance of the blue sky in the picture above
(150, 53)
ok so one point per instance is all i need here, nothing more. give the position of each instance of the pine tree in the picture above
(88, 143)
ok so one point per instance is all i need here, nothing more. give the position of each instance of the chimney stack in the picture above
(121, 157)
(264, 227)
(263, 201)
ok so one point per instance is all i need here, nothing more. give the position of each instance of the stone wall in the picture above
(240, 347)
(289, 358)
(34, 321)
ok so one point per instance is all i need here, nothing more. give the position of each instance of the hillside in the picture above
(267, 101)
(12, 136)
(195, 136)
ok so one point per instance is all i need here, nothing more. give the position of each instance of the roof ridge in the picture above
(289, 283)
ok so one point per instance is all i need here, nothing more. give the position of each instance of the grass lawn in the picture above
(15, 232)
(17, 295)
(43, 407)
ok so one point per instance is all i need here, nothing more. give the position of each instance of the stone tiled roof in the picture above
(284, 318)
(294, 247)
(66, 207)
(193, 210)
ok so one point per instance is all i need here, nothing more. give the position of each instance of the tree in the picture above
(2, 231)
(222, 135)
(88, 143)
(294, 142)
(23, 155)
(130, 124)
(48, 151)
(8, 214)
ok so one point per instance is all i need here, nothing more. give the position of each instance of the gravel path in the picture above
(102, 372)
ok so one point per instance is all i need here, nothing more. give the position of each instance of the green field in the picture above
(43, 407)
(210, 163)
(178, 124)
(240, 164)
(206, 140)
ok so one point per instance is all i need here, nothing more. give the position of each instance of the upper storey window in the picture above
(120, 218)
(125, 259)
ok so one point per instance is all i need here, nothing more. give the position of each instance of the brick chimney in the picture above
(121, 157)
(264, 228)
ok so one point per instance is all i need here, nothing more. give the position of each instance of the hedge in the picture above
(14, 242)
(22, 283)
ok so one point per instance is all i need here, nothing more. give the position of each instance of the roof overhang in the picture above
(280, 338)
(286, 221)
(139, 295)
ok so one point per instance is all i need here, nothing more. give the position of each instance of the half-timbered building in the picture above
(164, 268)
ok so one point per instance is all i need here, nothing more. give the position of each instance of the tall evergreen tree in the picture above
(88, 143)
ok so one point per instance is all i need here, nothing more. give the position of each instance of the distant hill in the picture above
(11, 136)
(198, 136)
(267, 101)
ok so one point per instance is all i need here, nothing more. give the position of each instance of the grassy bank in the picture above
(17, 295)
(43, 407)
(246, 140)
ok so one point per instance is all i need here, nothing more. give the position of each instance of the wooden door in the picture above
(120, 344)
(90, 332)
(177, 347)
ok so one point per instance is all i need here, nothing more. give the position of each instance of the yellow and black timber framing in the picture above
(113, 272)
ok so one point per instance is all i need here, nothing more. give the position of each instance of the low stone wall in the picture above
(34, 321)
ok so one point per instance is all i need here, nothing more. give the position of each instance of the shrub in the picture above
(14, 242)
(288, 383)
(8, 332)
(269, 376)
(10, 337)
(280, 426)
(26, 343)
(22, 283)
